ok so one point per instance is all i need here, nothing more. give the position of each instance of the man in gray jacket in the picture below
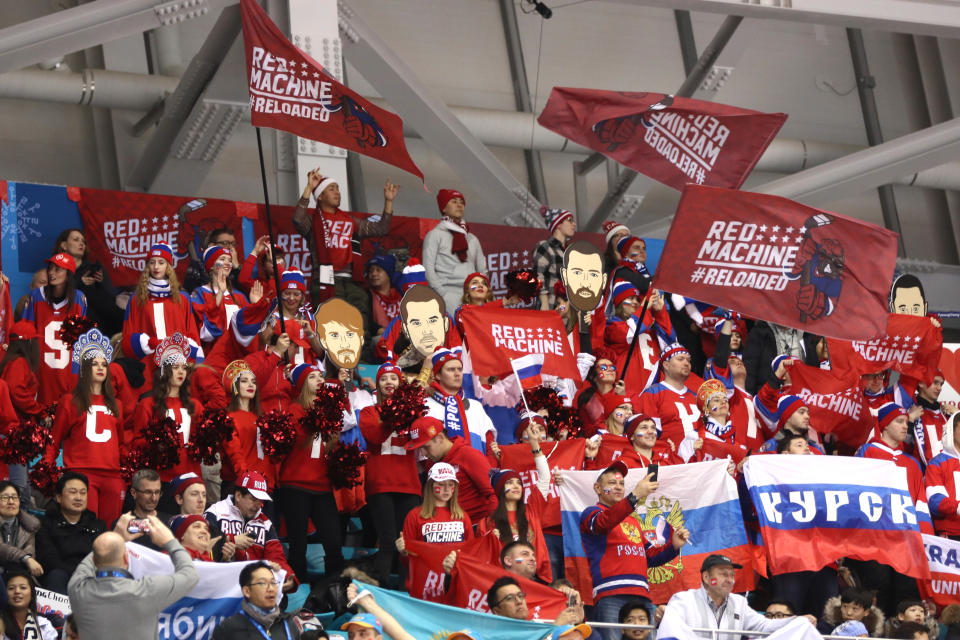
(450, 251)
(105, 597)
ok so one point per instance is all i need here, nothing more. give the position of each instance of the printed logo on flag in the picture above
(540, 340)
(654, 518)
(129, 240)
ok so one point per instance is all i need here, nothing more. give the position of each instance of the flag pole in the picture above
(273, 246)
(523, 396)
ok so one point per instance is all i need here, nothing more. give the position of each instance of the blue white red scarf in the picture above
(158, 288)
(723, 431)
(454, 413)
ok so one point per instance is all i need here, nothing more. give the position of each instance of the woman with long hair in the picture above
(392, 483)
(18, 532)
(48, 307)
(18, 369)
(514, 518)
(158, 309)
(215, 303)
(20, 618)
(88, 426)
(304, 490)
(243, 451)
(170, 398)
(92, 279)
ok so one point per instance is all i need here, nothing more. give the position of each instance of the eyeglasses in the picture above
(519, 596)
(9, 498)
(262, 583)
(155, 493)
(227, 244)
(777, 614)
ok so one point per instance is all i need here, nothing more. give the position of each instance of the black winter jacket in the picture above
(62, 545)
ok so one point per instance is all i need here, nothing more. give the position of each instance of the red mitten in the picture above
(811, 301)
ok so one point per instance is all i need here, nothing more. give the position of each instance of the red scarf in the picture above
(459, 246)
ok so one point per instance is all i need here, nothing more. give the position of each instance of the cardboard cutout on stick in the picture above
(583, 276)
(424, 317)
(340, 330)
(907, 296)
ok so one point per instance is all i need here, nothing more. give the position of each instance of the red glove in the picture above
(811, 301)
(617, 130)
(353, 126)
(808, 249)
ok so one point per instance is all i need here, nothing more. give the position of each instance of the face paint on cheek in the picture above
(713, 581)
(437, 490)
(608, 491)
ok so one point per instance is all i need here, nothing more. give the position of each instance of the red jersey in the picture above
(305, 467)
(213, 319)
(928, 433)
(154, 320)
(617, 337)
(275, 389)
(23, 386)
(55, 374)
(336, 233)
(244, 452)
(675, 410)
(473, 477)
(943, 488)
(880, 450)
(93, 440)
(180, 415)
(440, 528)
(390, 467)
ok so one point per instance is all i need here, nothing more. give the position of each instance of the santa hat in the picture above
(626, 242)
(623, 290)
(293, 279)
(412, 274)
(612, 228)
(499, 477)
(388, 367)
(786, 406)
(525, 420)
(324, 183)
(211, 254)
(444, 196)
(887, 413)
(161, 251)
(634, 421)
(611, 402)
(442, 356)
(299, 374)
(64, 261)
(475, 274)
(707, 391)
(553, 217)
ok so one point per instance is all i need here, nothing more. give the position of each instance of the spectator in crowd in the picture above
(911, 616)
(784, 413)
(88, 426)
(49, 306)
(617, 410)
(18, 531)
(103, 592)
(304, 488)
(70, 629)
(244, 452)
(548, 254)
(642, 432)
(92, 279)
(241, 520)
(912, 631)
(216, 302)
(146, 489)
(777, 609)
(506, 598)
(768, 340)
(193, 532)
(476, 290)
(671, 400)
(618, 562)
(158, 309)
(519, 558)
(298, 323)
(634, 612)
(450, 251)
(20, 618)
(18, 369)
(852, 604)
(391, 483)
(632, 267)
(613, 232)
(793, 443)
(600, 381)
(445, 401)
(189, 493)
(197, 275)
(713, 606)
(941, 489)
(384, 299)
(258, 267)
(928, 419)
(260, 617)
(331, 233)
(67, 531)
(851, 629)
(371, 624)
(473, 468)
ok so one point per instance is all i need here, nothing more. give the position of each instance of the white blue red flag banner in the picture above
(777, 260)
(217, 595)
(292, 92)
(814, 510)
(943, 556)
(496, 336)
(670, 139)
(701, 497)
(528, 368)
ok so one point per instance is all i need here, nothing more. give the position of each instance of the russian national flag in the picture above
(701, 496)
(528, 369)
(813, 510)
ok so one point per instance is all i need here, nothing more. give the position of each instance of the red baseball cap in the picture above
(256, 484)
(23, 330)
(619, 466)
(422, 431)
(64, 261)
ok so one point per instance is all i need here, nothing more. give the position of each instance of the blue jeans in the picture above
(18, 476)
(555, 549)
(608, 609)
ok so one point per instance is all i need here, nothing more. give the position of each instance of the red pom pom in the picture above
(278, 434)
(44, 477)
(162, 444)
(74, 327)
(402, 407)
(344, 464)
(212, 428)
(131, 462)
(324, 418)
(560, 419)
(25, 441)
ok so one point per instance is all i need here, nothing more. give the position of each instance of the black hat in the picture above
(717, 560)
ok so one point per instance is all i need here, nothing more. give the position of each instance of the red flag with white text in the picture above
(495, 336)
(292, 92)
(471, 580)
(564, 455)
(426, 579)
(777, 260)
(672, 140)
(837, 405)
(910, 345)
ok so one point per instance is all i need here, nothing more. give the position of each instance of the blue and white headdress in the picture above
(91, 344)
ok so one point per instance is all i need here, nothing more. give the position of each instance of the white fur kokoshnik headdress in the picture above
(172, 350)
(91, 344)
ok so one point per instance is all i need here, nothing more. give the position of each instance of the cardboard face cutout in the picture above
(583, 276)
(340, 330)
(907, 297)
(424, 318)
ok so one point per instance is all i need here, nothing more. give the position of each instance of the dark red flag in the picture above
(497, 335)
(471, 579)
(672, 140)
(426, 579)
(290, 91)
(837, 404)
(910, 345)
(774, 259)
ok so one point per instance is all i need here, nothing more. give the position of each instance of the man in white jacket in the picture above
(712, 606)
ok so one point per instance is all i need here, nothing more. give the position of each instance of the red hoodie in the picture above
(473, 476)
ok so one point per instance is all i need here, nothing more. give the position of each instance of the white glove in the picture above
(585, 362)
